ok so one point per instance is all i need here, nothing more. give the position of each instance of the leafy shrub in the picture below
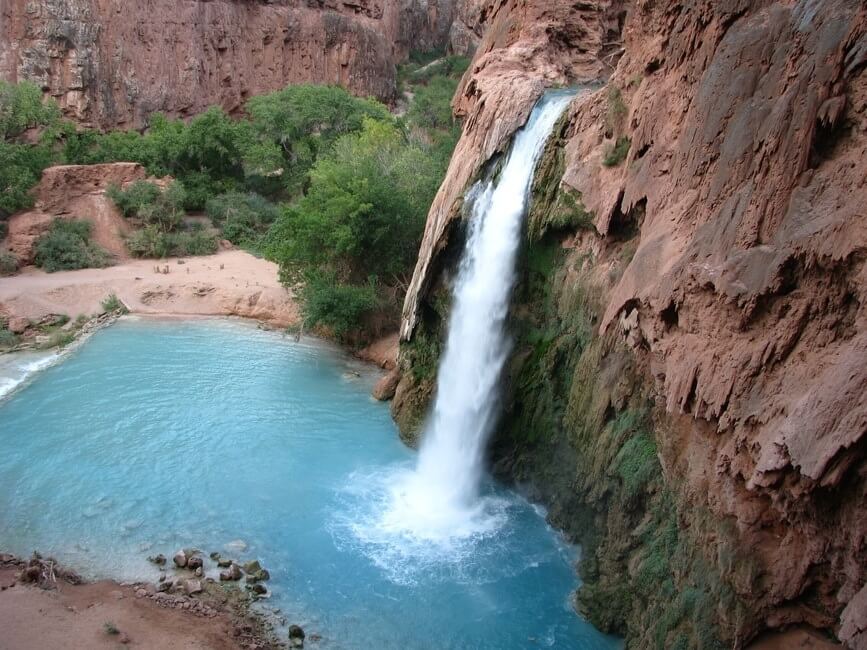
(364, 212)
(112, 304)
(145, 201)
(617, 152)
(432, 104)
(152, 242)
(194, 242)
(339, 307)
(148, 242)
(67, 246)
(135, 198)
(241, 218)
(8, 263)
(7, 338)
(291, 128)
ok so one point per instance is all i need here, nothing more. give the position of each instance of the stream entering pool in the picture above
(157, 435)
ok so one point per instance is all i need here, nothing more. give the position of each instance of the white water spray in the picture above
(440, 500)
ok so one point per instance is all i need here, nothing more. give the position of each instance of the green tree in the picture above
(22, 109)
(290, 128)
(364, 211)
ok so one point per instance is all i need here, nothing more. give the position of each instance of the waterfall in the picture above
(440, 499)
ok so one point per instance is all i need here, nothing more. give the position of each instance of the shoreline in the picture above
(43, 604)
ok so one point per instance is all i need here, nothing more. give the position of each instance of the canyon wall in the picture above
(688, 389)
(112, 63)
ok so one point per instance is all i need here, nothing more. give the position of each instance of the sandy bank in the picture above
(57, 615)
(230, 283)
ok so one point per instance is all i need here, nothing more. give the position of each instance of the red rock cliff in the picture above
(727, 247)
(110, 63)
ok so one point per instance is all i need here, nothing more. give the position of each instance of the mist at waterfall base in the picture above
(438, 505)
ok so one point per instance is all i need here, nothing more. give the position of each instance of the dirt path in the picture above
(231, 283)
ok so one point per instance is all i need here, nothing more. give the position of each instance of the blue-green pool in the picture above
(157, 435)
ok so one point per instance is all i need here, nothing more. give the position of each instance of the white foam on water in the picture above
(20, 367)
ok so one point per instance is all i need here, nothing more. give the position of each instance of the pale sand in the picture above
(230, 283)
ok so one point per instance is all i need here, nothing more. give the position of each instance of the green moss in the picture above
(636, 464)
(423, 354)
(555, 207)
(616, 110)
(616, 153)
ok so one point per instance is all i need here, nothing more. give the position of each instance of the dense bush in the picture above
(8, 263)
(364, 212)
(362, 218)
(241, 217)
(337, 306)
(67, 246)
(150, 241)
(134, 198)
(160, 212)
(21, 163)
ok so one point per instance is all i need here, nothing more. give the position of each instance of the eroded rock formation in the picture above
(112, 63)
(690, 374)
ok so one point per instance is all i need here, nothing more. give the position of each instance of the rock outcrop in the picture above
(112, 63)
(75, 192)
(690, 372)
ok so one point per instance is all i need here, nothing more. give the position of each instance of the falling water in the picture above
(440, 499)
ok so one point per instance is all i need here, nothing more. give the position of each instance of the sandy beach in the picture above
(229, 283)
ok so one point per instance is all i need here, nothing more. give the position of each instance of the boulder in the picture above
(193, 587)
(296, 636)
(258, 589)
(386, 387)
(159, 560)
(231, 574)
(252, 567)
(259, 576)
(224, 563)
(180, 559)
(195, 562)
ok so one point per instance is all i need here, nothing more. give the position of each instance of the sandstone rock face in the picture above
(75, 192)
(112, 63)
(728, 251)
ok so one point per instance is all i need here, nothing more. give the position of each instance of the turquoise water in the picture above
(156, 435)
